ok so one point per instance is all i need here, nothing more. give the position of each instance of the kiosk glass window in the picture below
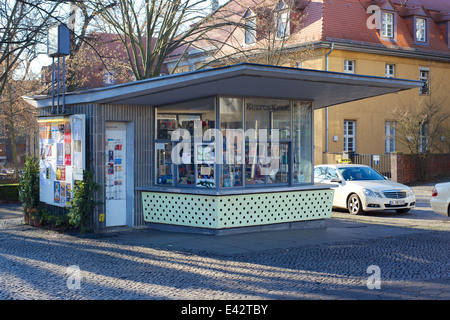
(164, 165)
(302, 142)
(266, 158)
(248, 157)
(231, 120)
(186, 116)
(186, 170)
(268, 114)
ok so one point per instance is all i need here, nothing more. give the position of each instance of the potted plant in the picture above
(29, 187)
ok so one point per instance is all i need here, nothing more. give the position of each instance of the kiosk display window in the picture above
(263, 142)
(302, 143)
(164, 167)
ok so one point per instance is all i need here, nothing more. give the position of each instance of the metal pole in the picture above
(53, 85)
(57, 105)
(64, 85)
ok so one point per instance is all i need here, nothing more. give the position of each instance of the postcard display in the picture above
(62, 157)
(115, 165)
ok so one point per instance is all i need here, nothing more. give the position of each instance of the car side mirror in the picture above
(336, 180)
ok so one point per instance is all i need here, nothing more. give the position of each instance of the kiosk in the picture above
(215, 151)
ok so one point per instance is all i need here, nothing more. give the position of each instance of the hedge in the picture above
(9, 192)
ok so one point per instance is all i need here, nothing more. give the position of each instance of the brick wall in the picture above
(405, 167)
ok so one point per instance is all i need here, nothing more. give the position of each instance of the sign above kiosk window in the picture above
(267, 107)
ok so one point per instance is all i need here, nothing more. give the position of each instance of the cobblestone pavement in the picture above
(409, 252)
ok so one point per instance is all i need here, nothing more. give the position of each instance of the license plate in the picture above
(397, 202)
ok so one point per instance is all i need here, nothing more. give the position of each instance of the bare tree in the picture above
(23, 26)
(424, 127)
(83, 46)
(260, 33)
(17, 118)
(151, 30)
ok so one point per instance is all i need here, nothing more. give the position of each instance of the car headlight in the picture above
(409, 193)
(370, 193)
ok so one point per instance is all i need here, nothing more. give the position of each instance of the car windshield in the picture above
(360, 173)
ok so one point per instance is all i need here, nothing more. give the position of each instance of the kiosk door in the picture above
(115, 175)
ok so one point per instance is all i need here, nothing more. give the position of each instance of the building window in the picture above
(250, 28)
(421, 30)
(387, 29)
(108, 78)
(389, 141)
(283, 25)
(349, 66)
(425, 77)
(349, 135)
(390, 71)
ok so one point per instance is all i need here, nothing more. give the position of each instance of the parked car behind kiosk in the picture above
(360, 188)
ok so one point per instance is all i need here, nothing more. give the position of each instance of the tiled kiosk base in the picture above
(233, 212)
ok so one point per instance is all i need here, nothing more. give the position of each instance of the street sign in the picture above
(376, 158)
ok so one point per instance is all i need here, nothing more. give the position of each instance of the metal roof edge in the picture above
(164, 83)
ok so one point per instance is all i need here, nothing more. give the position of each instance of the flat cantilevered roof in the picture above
(324, 88)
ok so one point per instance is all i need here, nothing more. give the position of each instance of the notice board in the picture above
(61, 158)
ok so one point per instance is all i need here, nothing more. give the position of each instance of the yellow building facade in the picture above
(373, 120)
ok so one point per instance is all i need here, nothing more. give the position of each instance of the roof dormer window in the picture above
(282, 21)
(421, 30)
(387, 28)
(250, 28)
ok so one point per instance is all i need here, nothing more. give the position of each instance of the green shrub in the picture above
(9, 192)
(51, 220)
(83, 202)
(29, 184)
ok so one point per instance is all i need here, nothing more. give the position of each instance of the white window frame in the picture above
(387, 27)
(424, 75)
(390, 70)
(250, 30)
(349, 66)
(421, 30)
(283, 24)
(389, 140)
(349, 146)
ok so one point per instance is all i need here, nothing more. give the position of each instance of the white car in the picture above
(440, 199)
(360, 188)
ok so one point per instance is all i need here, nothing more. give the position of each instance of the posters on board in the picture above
(61, 157)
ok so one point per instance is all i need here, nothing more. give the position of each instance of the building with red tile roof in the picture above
(407, 39)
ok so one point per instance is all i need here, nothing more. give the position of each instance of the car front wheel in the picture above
(354, 205)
